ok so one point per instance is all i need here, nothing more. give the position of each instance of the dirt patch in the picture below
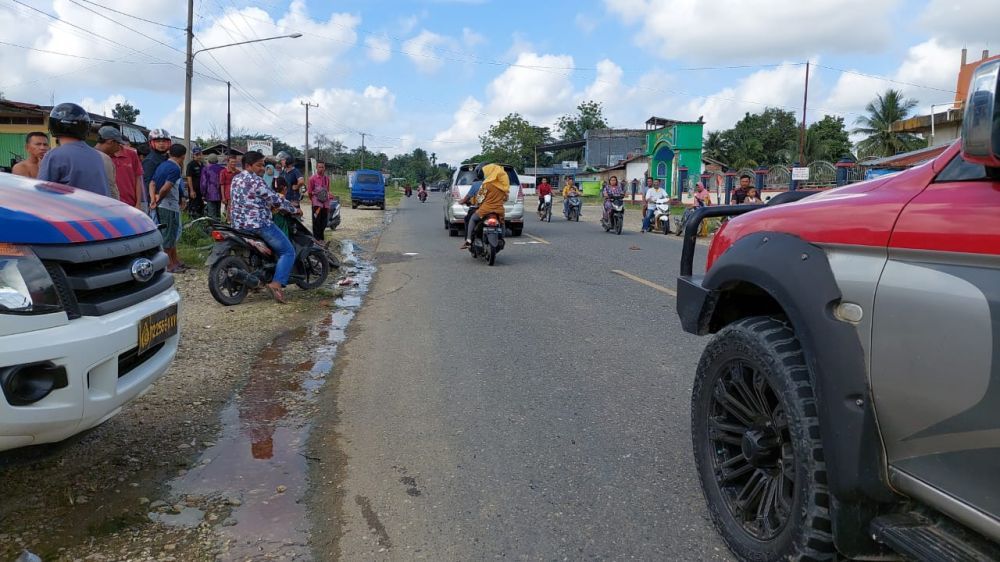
(95, 497)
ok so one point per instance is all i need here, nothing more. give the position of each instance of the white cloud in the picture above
(585, 23)
(379, 48)
(407, 24)
(102, 107)
(962, 22)
(470, 38)
(461, 139)
(781, 28)
(421, 50)
(519, 45)
(534, 88)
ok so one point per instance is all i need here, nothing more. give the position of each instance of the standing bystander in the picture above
(109, 143)
(128, 177)
(319, 196)
(36, 144)
(210, 188)
(159, 144)
(740, 194)
(225, 184)
(166, 202)
(293, 177)
(73, 162)
(196, 199)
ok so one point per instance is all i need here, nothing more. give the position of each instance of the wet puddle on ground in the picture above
(258, 464)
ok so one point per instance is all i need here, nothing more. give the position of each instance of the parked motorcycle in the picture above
(574, 208)
(616, 218)
(241, 261)
(545, 211)
(334, 221)
(661, 216)
(487, 240)
(422, 195)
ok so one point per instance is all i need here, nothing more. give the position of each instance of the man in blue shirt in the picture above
(293, 177)
(166, 202)
(73, 162)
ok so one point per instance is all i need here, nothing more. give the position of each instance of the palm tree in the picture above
(883, 111)
(715, 146)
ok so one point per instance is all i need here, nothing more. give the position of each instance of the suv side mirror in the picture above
(981, 123)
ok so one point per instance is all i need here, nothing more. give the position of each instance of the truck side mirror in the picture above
(981, 123)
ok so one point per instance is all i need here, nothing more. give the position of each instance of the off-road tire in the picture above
(769, 348)
(226, 291)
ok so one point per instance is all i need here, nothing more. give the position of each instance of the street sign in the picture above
(569, 164)
(265, 147)
(800, 174)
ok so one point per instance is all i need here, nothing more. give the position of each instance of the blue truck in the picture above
(88, 312)
(367, 188)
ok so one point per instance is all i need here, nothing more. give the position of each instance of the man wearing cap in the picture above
(196, 200)
(159, 144)
(109, 143)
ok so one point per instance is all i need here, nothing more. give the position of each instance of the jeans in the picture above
(648, 218)
(212, 209)
(321, 216)
(280, 243)
(470, 226)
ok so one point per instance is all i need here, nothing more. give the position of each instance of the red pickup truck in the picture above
(848, 404)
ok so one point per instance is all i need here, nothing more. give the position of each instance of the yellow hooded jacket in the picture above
(492, 195)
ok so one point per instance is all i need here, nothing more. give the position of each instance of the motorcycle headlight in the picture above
(25, 285)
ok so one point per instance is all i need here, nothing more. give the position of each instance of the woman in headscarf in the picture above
(269, 175)
(489, 199)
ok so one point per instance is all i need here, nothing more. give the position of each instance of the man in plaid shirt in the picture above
(251, 206)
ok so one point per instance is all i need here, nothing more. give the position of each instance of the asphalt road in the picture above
(536, 410)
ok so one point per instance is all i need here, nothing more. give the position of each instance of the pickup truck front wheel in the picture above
(757, 447)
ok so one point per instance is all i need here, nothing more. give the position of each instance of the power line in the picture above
(134, 16)
(61, 54)
(133, 30)
(885, 79)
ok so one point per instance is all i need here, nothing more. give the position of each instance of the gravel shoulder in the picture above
(89, 498)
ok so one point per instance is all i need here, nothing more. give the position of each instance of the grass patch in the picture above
(195, 243)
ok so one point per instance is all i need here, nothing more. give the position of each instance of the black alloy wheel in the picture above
(756, 441)
(222, 283)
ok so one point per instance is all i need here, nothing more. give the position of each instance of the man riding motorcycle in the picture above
(543, 189)
(488, 200)
(251, 201)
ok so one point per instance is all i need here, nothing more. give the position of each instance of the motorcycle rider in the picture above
(251, 202)
(543, 189)
(422, 191)
(569, 190)
(488, 200)
(652, 194)
(612, 189)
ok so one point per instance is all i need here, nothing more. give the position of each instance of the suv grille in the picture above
(96, 279)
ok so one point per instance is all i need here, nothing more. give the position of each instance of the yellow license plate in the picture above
(157, 328)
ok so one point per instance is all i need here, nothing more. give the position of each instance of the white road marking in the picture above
(642, 281)
(537, 239)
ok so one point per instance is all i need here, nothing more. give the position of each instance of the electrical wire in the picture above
(133, 30)
(884, 78)
(134, 16)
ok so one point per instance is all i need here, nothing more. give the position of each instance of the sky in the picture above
(436, 74)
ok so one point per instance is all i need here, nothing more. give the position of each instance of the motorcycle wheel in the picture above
(666, 227)
(548, 215)
(576, 216)
(316, 269)
(607, 227)
(618, 225)
(491, 255)
(226, 290)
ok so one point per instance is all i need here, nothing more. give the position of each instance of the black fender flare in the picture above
(798, 276)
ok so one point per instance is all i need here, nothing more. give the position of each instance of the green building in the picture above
(674, 150)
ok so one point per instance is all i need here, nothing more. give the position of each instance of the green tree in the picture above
(714, 146)
(880, 139)
(512, 140)
(125, 112)
(761, 138)
(589, 115)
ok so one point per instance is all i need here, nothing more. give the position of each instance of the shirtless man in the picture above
(36, 145)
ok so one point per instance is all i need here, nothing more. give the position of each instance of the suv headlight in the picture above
(25, 285)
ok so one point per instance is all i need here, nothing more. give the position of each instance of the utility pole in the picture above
(802, 129)
(363, 150)
(188, 77)
(308, 105)
(229, 120)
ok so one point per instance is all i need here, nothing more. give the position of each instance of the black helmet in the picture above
(480, 176)
(286, 157)
(69, 120)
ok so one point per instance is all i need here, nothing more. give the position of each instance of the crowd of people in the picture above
(159, 184)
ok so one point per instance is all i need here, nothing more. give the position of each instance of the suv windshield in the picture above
(370, 179)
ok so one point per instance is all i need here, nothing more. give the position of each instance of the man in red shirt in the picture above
(226, 181)
(543, 189)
